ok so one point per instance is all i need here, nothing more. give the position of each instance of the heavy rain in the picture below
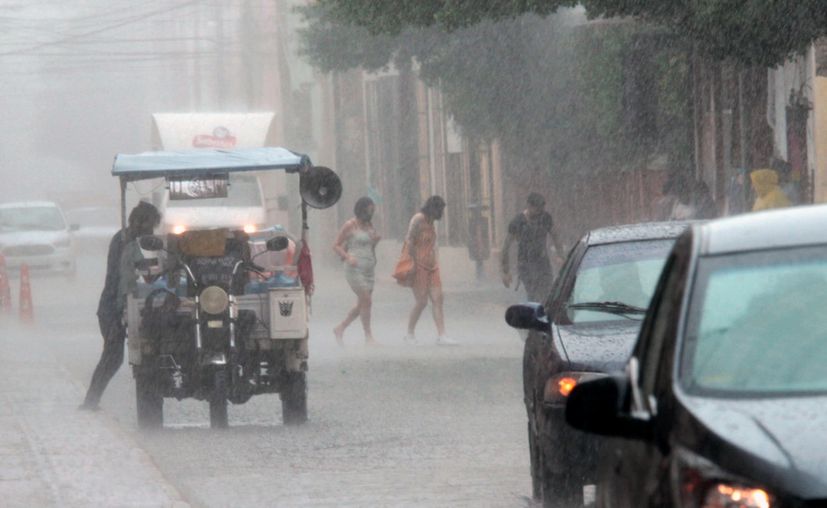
(404, 253)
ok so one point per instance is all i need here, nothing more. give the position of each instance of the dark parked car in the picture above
(586, 329)
(724, 400)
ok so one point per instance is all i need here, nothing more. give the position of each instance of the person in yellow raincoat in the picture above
(768, 193)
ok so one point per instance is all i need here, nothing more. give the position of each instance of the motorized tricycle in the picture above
(220, 314)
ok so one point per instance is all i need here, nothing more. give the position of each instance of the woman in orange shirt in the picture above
(427, 284)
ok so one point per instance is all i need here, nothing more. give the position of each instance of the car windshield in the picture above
(757, 324)
(616, 281)
(243, 191)
(31, 218)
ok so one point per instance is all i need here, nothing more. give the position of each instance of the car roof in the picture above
(637, 232)
(28, 204)
(787, 227)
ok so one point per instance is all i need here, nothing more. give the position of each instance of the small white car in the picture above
(36, 233)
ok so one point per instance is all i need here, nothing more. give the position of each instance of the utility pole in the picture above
(196, 101)
(249, 57)
(219, 56)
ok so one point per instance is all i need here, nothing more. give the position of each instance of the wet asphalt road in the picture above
(393, 425)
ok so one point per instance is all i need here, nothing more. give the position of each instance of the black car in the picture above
(586, 329)
(724, 400)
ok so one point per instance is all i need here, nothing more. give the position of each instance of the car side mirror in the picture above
(527, 316)
(74, 227)
(278, 243)
(597, 406)
(151, 242)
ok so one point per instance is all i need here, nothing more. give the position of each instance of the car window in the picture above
(243, 191)
(565, 274)
(662, 319)
(31, 218)
(623, 272)
(757, 324)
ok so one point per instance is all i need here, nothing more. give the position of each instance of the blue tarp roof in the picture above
(184, 163)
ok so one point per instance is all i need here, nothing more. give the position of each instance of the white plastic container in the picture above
(288, 313)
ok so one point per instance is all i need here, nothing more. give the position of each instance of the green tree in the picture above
(752, 32)
(552, 91)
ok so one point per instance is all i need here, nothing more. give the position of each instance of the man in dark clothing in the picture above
(532, 229)
(142, 220)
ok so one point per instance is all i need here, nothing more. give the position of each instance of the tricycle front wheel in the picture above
(218, 401)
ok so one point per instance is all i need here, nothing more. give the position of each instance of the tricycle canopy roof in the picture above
(183, 163)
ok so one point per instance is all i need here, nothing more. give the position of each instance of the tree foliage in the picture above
(394, 16)
(752, 32)
(550, 91)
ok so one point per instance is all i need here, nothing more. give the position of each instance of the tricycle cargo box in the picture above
(288, 313)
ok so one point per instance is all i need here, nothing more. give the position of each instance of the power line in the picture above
(141, 40)
(96, 62)
(113, 26)
(48, 25)
(92, 19)
(116, 54)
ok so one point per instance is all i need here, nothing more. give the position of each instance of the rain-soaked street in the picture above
(391, 425)
(650, 171)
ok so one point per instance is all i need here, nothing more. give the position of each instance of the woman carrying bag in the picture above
(418, 268)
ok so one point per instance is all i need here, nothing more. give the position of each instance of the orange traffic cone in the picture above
(26, 310)
(5, 289)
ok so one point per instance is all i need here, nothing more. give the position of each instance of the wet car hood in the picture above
(777, 443)
(599, 347)
(9, 238)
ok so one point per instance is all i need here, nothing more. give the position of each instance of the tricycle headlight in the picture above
(214, 300)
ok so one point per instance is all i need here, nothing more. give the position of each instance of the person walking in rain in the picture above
(143, 219)
(356, 245)
(767, 191)
(426, 283)
(531, 229)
